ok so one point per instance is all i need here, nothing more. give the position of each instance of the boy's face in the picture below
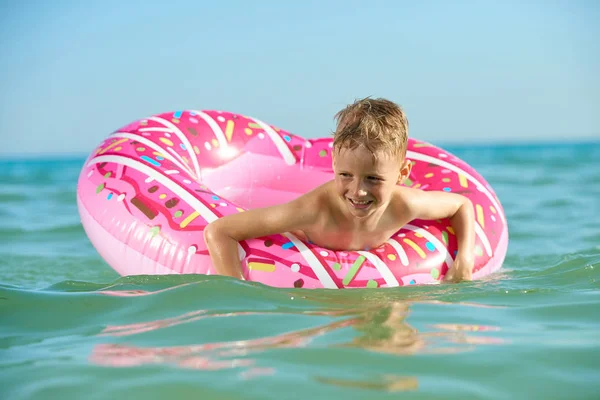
(365, 181)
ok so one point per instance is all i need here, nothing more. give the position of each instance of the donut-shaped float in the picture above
(148, 191)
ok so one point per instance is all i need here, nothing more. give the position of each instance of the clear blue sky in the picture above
(71, 72)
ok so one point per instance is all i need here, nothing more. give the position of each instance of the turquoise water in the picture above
(72, 328)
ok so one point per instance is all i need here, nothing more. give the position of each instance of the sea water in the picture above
(71, 328)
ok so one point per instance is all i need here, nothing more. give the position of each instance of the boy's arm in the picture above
(222, 236)
(431, 205)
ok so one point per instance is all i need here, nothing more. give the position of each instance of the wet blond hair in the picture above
(376, 124)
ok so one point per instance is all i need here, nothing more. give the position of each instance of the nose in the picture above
(358, 189)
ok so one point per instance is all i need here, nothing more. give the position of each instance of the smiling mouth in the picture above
(361, 204)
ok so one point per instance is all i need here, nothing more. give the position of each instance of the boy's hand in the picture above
(462, 270)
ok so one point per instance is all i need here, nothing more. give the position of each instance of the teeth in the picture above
(360, 202)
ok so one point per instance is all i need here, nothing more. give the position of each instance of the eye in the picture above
(374, 178)
(344, 175)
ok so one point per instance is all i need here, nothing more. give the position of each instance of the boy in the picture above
(363, 206)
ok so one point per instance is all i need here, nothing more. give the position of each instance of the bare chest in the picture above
(335, 238)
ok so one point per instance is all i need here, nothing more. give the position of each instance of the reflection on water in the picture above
(385, 330)
(375, 328)
(388, 383)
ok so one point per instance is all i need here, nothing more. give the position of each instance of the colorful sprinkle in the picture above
(323, 253)
(121, 197)
(353, 270)
(166, 141)
(299, 283)
(430, 246)
(214, 142)
(295, 267)
(415, 247)
(287, 245)
(172, 202)
(155, 230)
(447, 189)
(196, 150)
(391, 257)
(177, 114)
(140, 149)
(429, 175)
(162, 196)
(445, 237)
(110, 195)
(336, 266)
(463, 180)
(178, 213)
(478, 251)
(189, 219)
(150, 161)
(450, 229)
(229, 130)
(148, 211)
(192, 249)
(480, 217)
(99, 188)
(323, 153)
(248, 131)
(492, 209)
(287, 138)
(182, 146)
(372, 284)
(261, 266)
(435, 273)
(412, 282)
(113, 144)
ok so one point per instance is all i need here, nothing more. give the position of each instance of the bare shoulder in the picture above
(426, 204)
(403, 197)
(313, 200)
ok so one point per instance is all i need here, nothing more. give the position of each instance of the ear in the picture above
(405, 169)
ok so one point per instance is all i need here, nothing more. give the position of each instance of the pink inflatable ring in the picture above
(147, 192)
